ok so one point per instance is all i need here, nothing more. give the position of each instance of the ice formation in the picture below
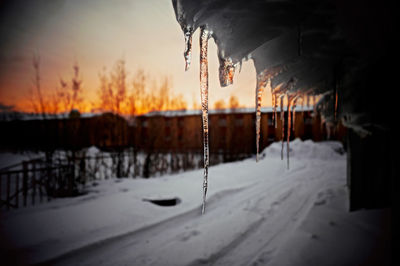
(204, 36)
(282, 122)
(289, 123)
(188, 32)
(301, 47)
(226, 71)
(259, 92)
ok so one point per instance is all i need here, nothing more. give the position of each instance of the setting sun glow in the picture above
(95, 36)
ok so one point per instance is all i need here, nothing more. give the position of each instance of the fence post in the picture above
(25, 182)
(33, 180)
(58, 178)
(8, 191)
(16, 190)
(49, 175)
(71, 178)
(0, 187)
(41, 174)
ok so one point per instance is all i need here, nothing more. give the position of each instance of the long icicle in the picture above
(289, 100)
(294, 106)
(282, 123)
(273, 106)
(275, 109)
(204, 36)
(259, 91)
(336, 105)
(273, 98)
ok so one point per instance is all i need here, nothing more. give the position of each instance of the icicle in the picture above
(268, 84)
(294, 112)
(226, 71)
(273, 96)
(188, 32)
(336, 105)
(289, 100)
(273, 107)
(328, 126)
(204, 36)
(282, 123)
(259, 91)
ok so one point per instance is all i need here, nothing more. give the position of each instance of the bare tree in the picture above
(70, 96)
(146, 94)
(76, 88)
(163, 99)
(195, 103)
(233, 102)
(220, 104)
(105, 92)
(145, 98)
(113, 89)
(36, 93)
(118, 80)
(138, 92)
(54, 103)
(178, 103)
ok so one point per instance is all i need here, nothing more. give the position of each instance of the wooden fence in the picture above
(35, 181)
(31, 182)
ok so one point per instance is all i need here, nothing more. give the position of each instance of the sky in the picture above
(95, 34)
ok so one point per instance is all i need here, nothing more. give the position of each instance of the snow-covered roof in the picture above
(305, 46)
(10, 116)
(220, 111)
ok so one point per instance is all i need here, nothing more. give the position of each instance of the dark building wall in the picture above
(107, 130)
(230, 133)
(371, 168)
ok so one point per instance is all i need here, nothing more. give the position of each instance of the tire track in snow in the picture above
(236, 201)
(275, 227)
(320, 181)
(89, 255)
(76, 256)
(276, 194)
(274, 208)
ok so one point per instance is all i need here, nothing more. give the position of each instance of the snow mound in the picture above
(93, 150)
(308, 149)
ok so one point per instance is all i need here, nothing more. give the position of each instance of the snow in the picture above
(8, 159)
(257, 213)
(219, 111)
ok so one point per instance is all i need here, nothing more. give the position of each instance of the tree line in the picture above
(119, 92)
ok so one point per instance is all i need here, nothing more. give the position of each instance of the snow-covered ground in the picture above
(11, 158)
(256, 214)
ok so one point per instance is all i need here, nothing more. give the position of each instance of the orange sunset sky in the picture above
(96, 34)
